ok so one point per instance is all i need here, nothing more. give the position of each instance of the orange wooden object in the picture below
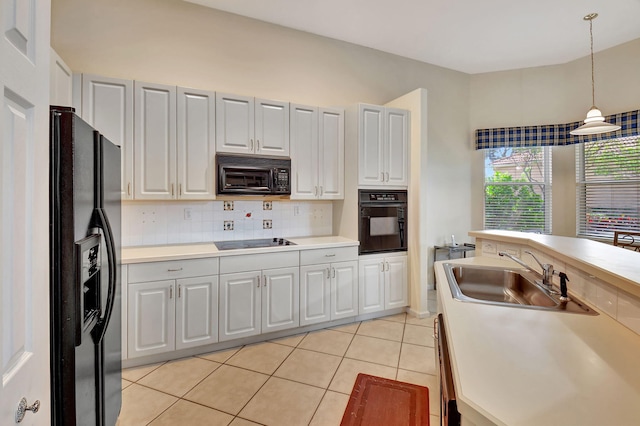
(375, 401)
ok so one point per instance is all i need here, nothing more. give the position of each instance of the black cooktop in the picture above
(244, 244)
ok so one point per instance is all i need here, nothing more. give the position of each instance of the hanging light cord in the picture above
(593, 80)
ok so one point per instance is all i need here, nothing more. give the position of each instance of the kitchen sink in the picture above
(507, 287)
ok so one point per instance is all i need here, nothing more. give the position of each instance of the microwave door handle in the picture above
(102, 222)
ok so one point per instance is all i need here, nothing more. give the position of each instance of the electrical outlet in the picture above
(228, 205)
(187, 214)
(296, 210)
(228, 225)
(267, 224)
(266, 205)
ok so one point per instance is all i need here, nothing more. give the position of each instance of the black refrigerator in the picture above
(85, 264)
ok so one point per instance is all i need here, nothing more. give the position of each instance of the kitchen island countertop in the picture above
(515, 366)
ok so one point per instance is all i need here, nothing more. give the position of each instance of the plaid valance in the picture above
(553, 134)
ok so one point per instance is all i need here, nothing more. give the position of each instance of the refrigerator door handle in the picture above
(102, 222)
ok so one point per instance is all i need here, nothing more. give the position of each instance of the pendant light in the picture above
(594, 123)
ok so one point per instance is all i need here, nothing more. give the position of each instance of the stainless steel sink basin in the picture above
(506, 287)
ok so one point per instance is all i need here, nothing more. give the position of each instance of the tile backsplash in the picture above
(179, 222)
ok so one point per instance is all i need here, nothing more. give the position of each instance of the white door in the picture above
(196, 144)
(197, 311)
(371, 287)
(107, 104)
(395, 282)
(234, 124)
(239, 314)
(155, 141)
(397, 148)
(315, 293)
(371, 144)
(331, 154)
(151, 318)
(272, 128)
(24, 209)
(344, 289)
(304, 152)
(280, 299)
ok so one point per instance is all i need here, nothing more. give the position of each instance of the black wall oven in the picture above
(383, 221)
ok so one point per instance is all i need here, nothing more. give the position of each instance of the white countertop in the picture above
(615, 265)
(515, 366)
(195, 251)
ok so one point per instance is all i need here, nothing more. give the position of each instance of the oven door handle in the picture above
(402, 205)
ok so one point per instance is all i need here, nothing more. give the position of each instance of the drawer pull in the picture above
(330, 255)
(174, 270)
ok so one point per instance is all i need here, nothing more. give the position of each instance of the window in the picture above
(517, 189)
(608, 187)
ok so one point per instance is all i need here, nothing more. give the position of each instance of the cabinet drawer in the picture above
(154, 271)
(328, 255)
(258, 262)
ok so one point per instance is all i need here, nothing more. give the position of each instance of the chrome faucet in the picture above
(547, 269)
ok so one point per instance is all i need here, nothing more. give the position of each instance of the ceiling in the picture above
(471, 36)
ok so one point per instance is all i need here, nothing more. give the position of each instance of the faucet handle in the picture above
(563, 287)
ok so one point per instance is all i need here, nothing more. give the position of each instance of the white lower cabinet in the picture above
(258, 302)
(261, 300)
(328, 286)
(383, 283)
(169, 314)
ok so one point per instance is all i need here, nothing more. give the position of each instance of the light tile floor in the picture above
(304, 379)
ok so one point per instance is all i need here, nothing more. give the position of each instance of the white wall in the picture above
(549, 95)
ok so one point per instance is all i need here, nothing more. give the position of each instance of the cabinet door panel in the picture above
(151, 318)
(331, 154)
(107, 104)
(196, 144)
(344, 290)
(240, 305)
(304, 151)
(234, 124)
(371, 279)
(272, 128)
(371, 154)
(197, 312)
(397, 148)
(396, 282)
(155, 141)
(315, 293)
(280, 299)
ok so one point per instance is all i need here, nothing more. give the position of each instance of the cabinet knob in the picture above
(257, 145)
(251, 144)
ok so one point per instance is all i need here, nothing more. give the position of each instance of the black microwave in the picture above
(246, 175)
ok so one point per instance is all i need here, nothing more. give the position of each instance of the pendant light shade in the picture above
(594, 123)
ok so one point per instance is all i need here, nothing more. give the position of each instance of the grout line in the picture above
(293, 349)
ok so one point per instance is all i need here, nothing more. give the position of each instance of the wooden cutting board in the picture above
(375, 401)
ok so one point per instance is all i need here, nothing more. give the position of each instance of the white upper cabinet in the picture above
(271, 128)
(61, 81)
(317, 153)
(245, 125)
(155, 141)
(383, 146)
(107, 105)
(397, 147)
(196, 144)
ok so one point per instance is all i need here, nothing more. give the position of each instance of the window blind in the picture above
(517, 190)
(608, 187)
